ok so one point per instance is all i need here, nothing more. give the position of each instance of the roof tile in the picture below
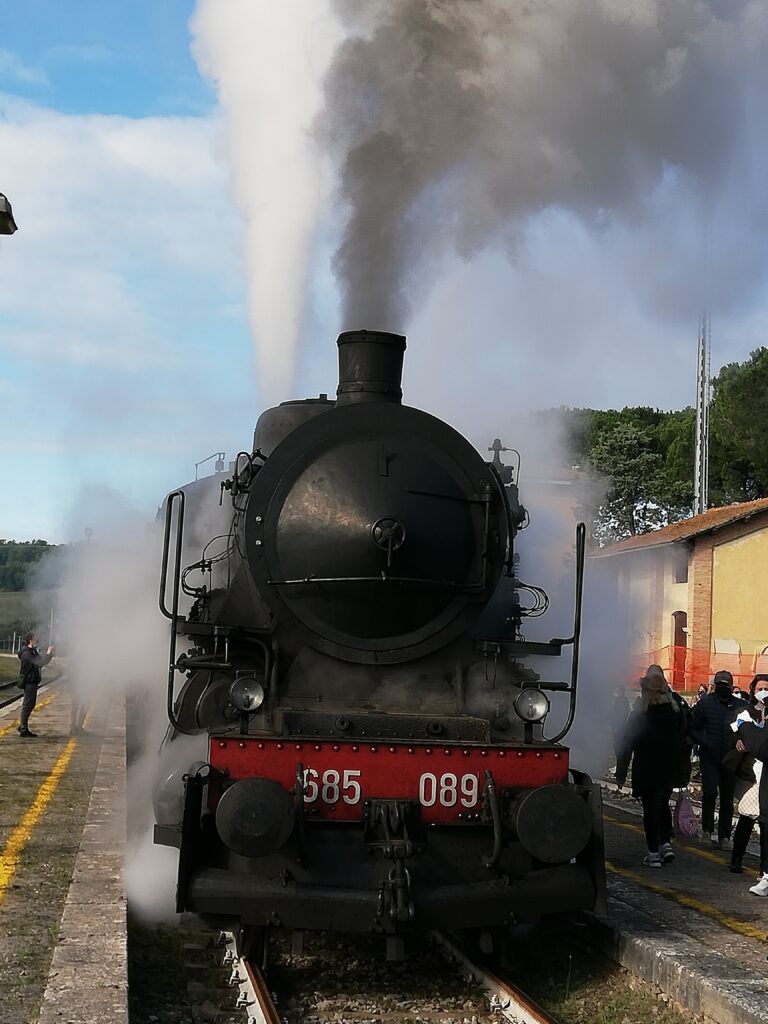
(712, 519)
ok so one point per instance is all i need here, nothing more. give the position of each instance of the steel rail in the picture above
(254, 996)
(18, 696)
(506, 999)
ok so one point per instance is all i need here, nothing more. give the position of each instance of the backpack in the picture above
(21, 682)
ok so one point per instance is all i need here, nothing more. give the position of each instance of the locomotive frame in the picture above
(357, 777)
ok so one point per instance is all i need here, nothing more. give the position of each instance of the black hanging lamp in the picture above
(7, 224)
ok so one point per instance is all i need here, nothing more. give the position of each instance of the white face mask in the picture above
(761, 695)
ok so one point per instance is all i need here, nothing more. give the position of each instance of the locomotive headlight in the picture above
(247, 694)
(532, 705)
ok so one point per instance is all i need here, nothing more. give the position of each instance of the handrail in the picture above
(581, 551)
(509, 568)
(169, 502)
(173, 615)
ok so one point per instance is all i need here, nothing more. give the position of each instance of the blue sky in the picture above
(145, 198)
(104, 57)
(121, 327)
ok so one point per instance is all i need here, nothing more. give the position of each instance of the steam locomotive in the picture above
(351, 648)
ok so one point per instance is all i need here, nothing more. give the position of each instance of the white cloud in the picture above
(118, 304)
(14, 69)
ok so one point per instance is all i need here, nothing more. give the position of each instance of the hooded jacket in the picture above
(31, 662)
(655, 741)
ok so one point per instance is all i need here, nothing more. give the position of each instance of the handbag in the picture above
(684, 816)
(749, 805)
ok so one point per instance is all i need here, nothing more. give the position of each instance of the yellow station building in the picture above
(695, 594)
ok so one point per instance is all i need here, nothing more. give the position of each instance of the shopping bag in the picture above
(684, 816)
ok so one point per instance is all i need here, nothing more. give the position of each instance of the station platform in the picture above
(62, 842)
(692, 928)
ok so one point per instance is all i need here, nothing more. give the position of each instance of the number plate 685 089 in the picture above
(339, 776)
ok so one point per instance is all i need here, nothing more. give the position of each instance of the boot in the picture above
(735, 865)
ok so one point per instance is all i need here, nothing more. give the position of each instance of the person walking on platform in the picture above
(710, 728)
(753, 739)
(31, 663)
(655, 744)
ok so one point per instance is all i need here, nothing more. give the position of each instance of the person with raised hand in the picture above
(32, 661)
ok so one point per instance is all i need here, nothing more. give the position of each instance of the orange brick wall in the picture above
(700, 577)
(700, 594)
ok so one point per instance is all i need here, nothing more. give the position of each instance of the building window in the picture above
(681, 564)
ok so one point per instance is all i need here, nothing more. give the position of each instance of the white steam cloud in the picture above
(114, 641)
(452, 126)
(267, 61)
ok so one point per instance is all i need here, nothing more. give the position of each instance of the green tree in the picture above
(18, 559)
(624, 457)
(739, 431)
(640, 495)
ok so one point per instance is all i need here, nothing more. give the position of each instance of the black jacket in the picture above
(656, 742)
(710, 726)
(31, 663)
(755, 740)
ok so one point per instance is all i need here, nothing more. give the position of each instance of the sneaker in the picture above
(706, 837)
(717, 843)
(666, 853)
(760, 888)
(726, 844)
(652, 860)
(735, 866)
(27, 734)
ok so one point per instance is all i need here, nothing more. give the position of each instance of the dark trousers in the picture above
(741, 836)
(657, 818)
(27, 705)
(716, 781)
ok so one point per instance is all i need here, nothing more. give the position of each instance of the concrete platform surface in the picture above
(691, 928)
(62, 834)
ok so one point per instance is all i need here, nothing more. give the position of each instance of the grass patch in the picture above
(9, 669)
(579, 986)
(156, 976)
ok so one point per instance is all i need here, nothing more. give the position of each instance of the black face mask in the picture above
(724, 693)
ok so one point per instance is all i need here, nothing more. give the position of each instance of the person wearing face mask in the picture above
(753, 739)
(710, 728)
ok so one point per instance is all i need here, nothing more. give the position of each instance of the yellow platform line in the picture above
(732, 923)
(11, 855)
(704, 854)
(41, 704)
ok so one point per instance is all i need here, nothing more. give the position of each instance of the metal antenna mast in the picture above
(701, 457)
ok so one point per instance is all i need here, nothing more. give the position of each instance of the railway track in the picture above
(11, 694)
(344, 981)
(483, 997)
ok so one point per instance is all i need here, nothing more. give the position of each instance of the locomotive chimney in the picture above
(370, 367)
